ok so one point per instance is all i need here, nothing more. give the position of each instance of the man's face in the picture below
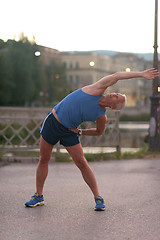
(113, 99)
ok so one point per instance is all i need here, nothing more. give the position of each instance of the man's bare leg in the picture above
(42, 169)
(76, 152)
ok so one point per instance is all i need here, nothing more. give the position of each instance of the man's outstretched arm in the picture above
(100, 86)
(112, 79)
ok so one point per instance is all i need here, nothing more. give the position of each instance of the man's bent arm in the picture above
(100, 127)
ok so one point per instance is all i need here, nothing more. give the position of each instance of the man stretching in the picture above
(86, 104)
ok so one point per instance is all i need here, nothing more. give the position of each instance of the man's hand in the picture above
(150, 73)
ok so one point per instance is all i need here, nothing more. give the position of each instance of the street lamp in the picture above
(154, 132)
(37, 53)
(92, 63)
(127, 69)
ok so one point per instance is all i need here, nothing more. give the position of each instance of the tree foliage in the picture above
(5, 84)
(20, 74)
(56, 81)
(23, 79)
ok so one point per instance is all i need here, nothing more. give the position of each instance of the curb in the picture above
(14, 159)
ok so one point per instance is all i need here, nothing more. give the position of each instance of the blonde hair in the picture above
(120, 106)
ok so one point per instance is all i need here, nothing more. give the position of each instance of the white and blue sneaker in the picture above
(100, 206)
(36, 200)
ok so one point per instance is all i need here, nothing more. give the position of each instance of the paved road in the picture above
(131, 190)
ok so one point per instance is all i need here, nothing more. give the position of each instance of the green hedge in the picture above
(145, 117)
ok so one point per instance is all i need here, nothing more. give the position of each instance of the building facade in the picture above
(83, 69)
(48, 55)
(138, 91)
(86, 68)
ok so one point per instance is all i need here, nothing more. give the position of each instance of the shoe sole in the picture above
(99, 209)
(37, 204)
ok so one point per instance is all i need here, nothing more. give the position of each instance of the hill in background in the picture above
(146, 56)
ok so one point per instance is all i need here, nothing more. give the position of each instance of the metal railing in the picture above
(19, 129)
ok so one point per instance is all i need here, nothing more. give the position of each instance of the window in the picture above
(77, 64)
(70, 65)
(77, 80)
(70, 79)
(65, 65)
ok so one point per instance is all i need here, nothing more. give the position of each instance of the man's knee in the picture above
(43, 160)
(81, 162)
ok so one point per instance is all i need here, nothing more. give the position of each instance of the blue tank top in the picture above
(78, 107)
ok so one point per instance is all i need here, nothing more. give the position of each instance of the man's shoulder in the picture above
(92, 90)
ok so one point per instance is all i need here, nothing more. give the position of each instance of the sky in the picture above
(69, 25)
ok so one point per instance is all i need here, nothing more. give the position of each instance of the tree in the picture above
(56, 81)
(2, 44)
(25, 71)
(21, 78)
(5, 84)
(21, 72)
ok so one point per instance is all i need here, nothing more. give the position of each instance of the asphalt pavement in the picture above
(131, 189)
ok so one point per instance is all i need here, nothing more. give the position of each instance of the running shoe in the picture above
(100, 206)
(36, 200)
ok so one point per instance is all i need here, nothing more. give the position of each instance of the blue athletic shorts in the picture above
(53, 131)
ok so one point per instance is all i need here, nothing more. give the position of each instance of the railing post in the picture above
(117, 115)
